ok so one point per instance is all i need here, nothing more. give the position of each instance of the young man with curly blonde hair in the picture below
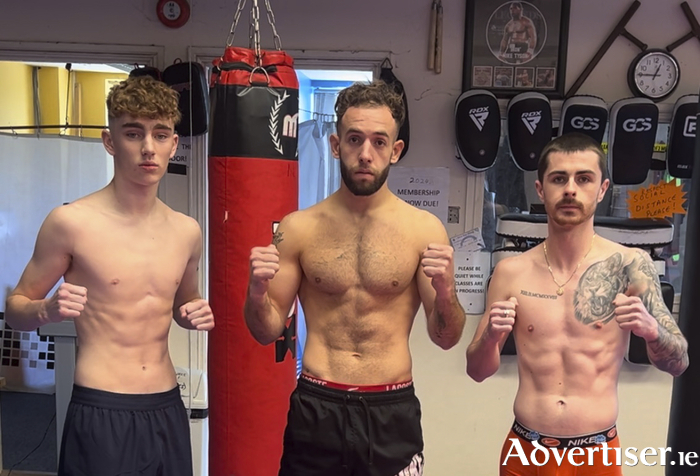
(129, 264)
(362, 261)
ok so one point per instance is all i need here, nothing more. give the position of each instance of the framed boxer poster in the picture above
(515, 46)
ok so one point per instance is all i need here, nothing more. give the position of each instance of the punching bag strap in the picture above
(244, 66)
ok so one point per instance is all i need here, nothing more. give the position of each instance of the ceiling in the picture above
(89, 67)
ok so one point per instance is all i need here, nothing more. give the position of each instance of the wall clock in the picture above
(653, 74)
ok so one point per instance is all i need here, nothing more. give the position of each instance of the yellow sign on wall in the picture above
(657, 201)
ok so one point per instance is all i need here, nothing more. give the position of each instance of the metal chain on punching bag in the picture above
(254, 42)
(236, 17)
(271, 21)
(254, 26)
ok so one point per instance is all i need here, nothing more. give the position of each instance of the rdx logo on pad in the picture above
(531, 119)
(479, 116)
(690, 125)
(642, 124)
(585, 123)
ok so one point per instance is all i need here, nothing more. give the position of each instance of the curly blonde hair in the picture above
(143, 96)
(375, 94)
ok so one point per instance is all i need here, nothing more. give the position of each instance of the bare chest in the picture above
(380, 260)
(584, 309)
(130, 262)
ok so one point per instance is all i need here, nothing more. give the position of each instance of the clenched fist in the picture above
(438, 264)
(67, 303)
(501, 319)
(199, 314)
(264, 264)
(632, 315)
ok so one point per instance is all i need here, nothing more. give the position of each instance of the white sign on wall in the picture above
(183, 152)
(471, 272)
(426, 188)
(469, 241)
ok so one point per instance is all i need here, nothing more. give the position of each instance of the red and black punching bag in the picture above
(253, 184)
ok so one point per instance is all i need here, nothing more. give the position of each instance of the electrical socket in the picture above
(452, 214)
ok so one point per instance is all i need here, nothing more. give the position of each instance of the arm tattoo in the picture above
(448, 317)
(597, 288)
(669, 351)
(442, 313)
(277, 238)
(441, 323)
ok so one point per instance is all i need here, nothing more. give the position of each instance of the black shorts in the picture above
(110, 434)
(349, 433)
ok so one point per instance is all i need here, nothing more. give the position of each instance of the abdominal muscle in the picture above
(367, 364)
(359, 344)
(125, 352)
(567, 394)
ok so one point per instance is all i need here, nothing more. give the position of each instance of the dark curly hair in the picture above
(375, 94)
(143, 96)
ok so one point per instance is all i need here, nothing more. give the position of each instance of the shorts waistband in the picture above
(593, 439)
(357, 388)
(125, 401)
(339, 392)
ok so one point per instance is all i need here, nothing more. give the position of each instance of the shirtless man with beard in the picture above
(362, 262)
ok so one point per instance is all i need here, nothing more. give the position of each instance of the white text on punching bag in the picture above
(290, 125)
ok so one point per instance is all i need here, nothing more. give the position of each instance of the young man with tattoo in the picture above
(362, 262)
(571, 303)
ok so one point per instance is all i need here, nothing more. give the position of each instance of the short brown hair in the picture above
(375, 94)
(143, 96)
(569, 143)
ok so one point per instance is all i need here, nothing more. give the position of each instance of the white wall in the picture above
(398, 26)
(465, 423)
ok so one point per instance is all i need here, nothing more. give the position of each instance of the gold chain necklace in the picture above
(560, 291)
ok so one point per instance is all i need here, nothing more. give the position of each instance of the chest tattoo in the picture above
(597, 289)
(538, 295)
